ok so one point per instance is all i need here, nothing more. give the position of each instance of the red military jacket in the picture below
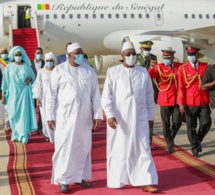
(190, 92)
(166, 81)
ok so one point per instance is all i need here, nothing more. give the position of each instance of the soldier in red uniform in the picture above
(165, 76)
(193, 100)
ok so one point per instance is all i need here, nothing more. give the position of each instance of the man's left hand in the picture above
(96, 123)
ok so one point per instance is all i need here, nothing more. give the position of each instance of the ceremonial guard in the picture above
(144, 59)
(165, 77)
(193, 100)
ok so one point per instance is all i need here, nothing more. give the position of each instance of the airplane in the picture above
(101, 27)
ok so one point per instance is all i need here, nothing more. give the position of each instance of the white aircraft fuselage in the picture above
(102, 26)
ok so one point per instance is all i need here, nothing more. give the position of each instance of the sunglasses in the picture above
(128, 54)
(18, 54)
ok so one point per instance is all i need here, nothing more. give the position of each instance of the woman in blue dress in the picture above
(17, 95)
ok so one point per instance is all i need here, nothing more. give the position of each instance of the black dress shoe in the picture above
(170, 147)
(84, 184)
(64, 188)
(195, 152)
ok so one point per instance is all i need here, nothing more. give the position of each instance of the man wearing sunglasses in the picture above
(128, 102)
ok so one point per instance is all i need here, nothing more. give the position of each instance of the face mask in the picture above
(4, 56)
(18, 58)
(130, 60)
(191, 59)
(38, 56)
(167, 62)
(50, 64)
(146, 53)
(79, 58)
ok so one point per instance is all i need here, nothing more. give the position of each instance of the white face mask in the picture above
(146, 53)
(130, 60)
(191, 59)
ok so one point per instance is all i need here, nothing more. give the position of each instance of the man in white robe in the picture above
(128, 102)
(73, 108)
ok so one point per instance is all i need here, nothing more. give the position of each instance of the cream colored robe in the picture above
(73, 100)
(128, 96)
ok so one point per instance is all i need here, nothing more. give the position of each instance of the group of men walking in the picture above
(180, 91)
(73, 107)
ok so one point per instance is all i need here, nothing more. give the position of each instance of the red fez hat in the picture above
(192, 49)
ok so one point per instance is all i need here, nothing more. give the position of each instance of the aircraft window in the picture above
(117, 15)
(47, 16)
(207, 16)
(102, 16)
(70, 16)
(55, 16)
(86, 16)
(94, 15)
(200, 16)
(124, 15)
(193, 16)
(140, 15)
(63, 16)
(78, 16)
(158, 15)
(214, 16)
(186, 16)
(147, 16)
(132, 15)
(109, 15)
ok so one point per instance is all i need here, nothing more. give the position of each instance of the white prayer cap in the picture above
(50, 55)
(73, 47)
(127, 45)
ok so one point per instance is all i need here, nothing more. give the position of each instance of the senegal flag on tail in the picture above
(3, 62)
(43, 7)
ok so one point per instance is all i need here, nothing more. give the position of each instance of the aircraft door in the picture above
(9, 16)
(159, 20)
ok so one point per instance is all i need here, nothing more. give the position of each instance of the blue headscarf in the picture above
(25, 58)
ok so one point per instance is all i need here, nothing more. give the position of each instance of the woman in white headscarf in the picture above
(39, 92)
(17, 95)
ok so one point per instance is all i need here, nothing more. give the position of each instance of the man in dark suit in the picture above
(144, 59)
(38, 63)
(62, 58)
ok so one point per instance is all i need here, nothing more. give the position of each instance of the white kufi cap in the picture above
(50, 55)
(73, 47)
(127, 45)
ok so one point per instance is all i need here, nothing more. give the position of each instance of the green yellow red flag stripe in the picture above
(3, 62)
(43, 7)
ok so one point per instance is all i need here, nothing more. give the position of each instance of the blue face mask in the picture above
(191, 59)
(167, 62)
(50, 64)
(79, 58)
(38, 56)
(18, 58)
(4, 56)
